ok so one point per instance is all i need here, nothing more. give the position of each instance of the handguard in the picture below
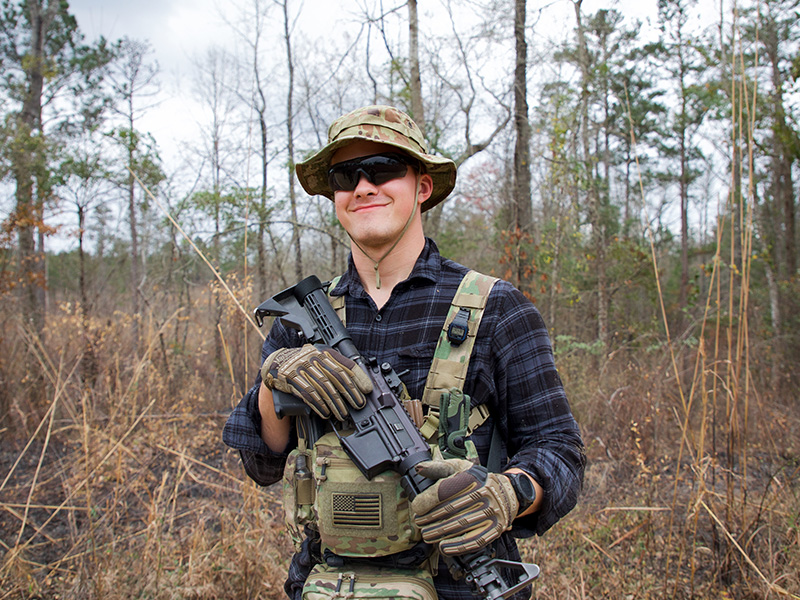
(383, 435)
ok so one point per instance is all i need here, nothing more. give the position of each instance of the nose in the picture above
(364, 187)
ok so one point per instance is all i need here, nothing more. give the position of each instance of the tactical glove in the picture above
(326, 380)
(466, 509)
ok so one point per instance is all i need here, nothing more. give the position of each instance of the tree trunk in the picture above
(27, 259)
(261, 109)
(521, 210)
(782, 159)
(262, 213)
(88, 361)
(298, 257)
(29, 169)
(28, 158)
(595, 216)
(217, 189)
(683, 294)
(775, 321)
(134, 229)
(415, 84)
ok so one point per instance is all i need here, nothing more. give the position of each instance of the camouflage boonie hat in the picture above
(386, 125)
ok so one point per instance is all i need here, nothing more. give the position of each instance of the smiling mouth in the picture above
(368, 207)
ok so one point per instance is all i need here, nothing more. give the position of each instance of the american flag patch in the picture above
(356, 510)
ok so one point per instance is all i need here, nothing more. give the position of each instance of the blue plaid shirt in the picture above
(511, 369)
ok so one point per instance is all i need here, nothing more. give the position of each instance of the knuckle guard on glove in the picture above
(326, 380)
(466, 509)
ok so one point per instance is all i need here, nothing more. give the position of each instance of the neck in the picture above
(393, 269)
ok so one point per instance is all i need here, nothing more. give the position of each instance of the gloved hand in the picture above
(466, 509)
(326, 380)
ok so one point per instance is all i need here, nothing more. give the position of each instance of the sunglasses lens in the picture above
(342, 180)
(378, 169)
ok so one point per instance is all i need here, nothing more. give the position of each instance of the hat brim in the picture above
(313, 171)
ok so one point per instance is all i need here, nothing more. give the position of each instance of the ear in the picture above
(425, 188)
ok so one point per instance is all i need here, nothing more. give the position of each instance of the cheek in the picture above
(340, 200)
(402, 189)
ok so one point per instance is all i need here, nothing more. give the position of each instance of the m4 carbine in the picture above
(383, 435)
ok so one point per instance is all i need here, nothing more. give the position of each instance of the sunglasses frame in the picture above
(370, 168)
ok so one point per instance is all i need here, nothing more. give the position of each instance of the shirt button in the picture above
(378, 317)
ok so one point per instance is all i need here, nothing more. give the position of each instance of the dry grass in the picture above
(665, 512)
(123, 488)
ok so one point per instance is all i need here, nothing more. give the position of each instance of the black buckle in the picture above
(459, 329)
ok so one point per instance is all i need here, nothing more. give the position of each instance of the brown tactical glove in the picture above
(466, 509)
(326, 380)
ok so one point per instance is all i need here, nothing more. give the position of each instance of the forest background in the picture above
(637, 180)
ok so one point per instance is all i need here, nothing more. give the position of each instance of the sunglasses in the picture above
(378, 169)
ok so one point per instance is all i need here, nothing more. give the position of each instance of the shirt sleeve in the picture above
(242, 430)
(542, 438)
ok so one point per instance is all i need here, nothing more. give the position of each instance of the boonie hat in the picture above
(384, 124)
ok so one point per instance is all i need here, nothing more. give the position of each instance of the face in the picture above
(375, 215)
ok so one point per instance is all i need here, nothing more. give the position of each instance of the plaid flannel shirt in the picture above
(511, 368)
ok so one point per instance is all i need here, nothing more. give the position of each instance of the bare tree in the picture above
(251, 28)
(84, 174)
(415, 81)
(133, 80)
(522, 211)
(216, 82)
(260, 103)
(588, 159)
(287, 37)
(460, 76)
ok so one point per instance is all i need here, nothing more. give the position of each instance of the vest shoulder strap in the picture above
(451, 360)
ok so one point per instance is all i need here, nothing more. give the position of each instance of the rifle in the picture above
(384, 436)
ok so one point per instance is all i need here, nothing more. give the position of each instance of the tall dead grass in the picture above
(657, 522)
(120, 487)
(123, 488)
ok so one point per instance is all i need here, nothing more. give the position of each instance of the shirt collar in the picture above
(426, 269)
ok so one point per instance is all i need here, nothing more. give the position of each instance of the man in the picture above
(398, 290)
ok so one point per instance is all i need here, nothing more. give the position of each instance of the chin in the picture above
(375, 238)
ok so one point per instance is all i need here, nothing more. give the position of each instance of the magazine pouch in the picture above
(367, 582)
(298, 494)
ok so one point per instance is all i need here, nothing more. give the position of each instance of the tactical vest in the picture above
(357, 517)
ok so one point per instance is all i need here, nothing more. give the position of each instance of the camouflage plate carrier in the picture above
(357, 517)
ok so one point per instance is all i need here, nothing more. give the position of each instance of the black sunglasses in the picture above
(378, 169)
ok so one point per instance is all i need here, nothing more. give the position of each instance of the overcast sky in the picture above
(176, 28)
